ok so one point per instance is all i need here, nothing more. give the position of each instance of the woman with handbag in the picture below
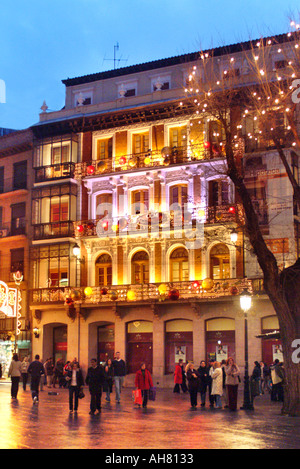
(143, 381)
(232, 382)
(75, 382)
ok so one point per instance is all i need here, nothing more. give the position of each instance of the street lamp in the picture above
(245, 303)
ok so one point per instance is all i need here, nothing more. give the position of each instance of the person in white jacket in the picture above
(15, 374)
(24, 372)
(217, 383)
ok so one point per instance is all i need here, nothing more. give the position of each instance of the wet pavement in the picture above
(167, 423)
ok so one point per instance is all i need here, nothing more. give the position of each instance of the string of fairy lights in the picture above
(265, 80)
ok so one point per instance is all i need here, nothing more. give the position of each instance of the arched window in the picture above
(179, 265)
(220, 262)
(103, 270)
(140, 268)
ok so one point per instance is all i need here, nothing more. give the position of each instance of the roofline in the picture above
(176, 60)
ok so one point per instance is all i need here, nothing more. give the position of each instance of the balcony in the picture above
(52, 172)
(150, 159)
(153, 223)
(53, 230)
(182, 291)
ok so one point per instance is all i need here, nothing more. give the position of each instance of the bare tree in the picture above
(244, 93)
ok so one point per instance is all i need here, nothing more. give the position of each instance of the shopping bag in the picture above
(137, 397)
(152, 393)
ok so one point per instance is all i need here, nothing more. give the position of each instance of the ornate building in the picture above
(138, 237)
(15, 234)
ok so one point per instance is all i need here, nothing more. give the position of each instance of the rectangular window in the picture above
(17, 260)
(20, 175)
(18, 214)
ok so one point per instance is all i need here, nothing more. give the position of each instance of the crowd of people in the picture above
(213, 381)
(216, 380)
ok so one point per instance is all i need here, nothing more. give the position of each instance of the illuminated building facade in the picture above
(15, 233)
(128, 176)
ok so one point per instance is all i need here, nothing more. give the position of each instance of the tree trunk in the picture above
(272, 285)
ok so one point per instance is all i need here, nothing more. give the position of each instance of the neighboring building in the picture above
(129, 175)
(15, 233)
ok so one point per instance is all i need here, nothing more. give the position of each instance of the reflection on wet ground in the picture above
(167, 423)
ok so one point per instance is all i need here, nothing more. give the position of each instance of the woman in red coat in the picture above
(143, 381)
(179, 378)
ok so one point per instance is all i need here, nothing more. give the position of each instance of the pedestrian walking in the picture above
(192, 377)
(119, 367)
(225, 397)
(95, 380)
(24, 372)
(75, 384)
(143, 381)
(108, 379)
(43, 379)
(49, 369)
(58, 373)
(179, 378)
(264, 378)
(277, 376)
(204, 380)
(217, 384)
(36, 370)
(232, 382)
(15, 373)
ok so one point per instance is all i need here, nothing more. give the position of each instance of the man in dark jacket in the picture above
(36, 370)
(119, 367)
(95, 381)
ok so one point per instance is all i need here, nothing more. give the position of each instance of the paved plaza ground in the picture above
(168, 423)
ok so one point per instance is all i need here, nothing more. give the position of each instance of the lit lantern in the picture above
(147, 160)
(231, 210)
(131, 295)
(174, 294)
(113, 295)
(196, 284)
(122, 160)
(104, 291)
(206, 145)
(80, 228)
(115, 227)
(88, 291)
(163, 289)
(207, 284)
(90, 169)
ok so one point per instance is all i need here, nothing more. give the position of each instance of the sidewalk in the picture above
(168, 423)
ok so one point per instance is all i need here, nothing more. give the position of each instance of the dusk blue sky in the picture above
(43, 41)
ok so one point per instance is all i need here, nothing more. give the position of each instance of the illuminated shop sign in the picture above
(9, 301)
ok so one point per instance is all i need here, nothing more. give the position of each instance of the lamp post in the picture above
(245, 303)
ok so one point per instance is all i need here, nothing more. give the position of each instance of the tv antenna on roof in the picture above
(115, 59)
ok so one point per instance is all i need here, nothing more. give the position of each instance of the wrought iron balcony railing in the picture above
(55, 171)
(165, 291)
(150, 159)
(154, 223)
(53, 230)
